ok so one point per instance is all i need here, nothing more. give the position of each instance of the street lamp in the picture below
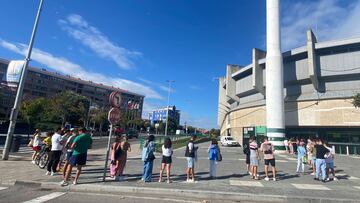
(15, 109)
(167, 107)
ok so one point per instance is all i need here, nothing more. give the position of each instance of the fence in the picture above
(346, 148)
(159, 140)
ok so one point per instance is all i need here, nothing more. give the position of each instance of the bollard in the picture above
(347, 150)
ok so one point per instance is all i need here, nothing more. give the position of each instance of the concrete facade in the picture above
(320, 79)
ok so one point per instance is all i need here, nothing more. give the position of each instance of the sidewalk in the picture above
(232, 183)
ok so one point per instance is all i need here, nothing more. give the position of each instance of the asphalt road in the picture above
(18, 194)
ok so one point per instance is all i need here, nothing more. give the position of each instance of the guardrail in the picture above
(346, 148)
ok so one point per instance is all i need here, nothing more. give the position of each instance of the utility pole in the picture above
(167, 107)
(19, 93)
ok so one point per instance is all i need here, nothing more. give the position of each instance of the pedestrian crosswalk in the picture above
(3, 188)
(310, 186)
(46, 198)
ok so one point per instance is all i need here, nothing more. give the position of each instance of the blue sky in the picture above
(138, 44)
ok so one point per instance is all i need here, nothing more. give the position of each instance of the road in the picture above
(35, 194)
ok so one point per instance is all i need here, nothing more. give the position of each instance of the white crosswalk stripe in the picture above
(357, 187)
(46, 198)
(3, 188)
(310, 187)
(246, 183)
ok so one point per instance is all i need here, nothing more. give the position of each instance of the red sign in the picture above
(114, 116)
(115, 99)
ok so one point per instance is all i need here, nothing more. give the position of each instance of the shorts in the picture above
(36, 149)
(330, 165)
(68, 155)
(190, 162)
(247, 160)
(254, 161)
(270, 161)
(166, 160)
(78, 160)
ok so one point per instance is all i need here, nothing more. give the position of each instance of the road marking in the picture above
(357, 187)
(246, 183)
(46, 198)
(3, 188)
(347, 176)
(282, 161)
(310, 187)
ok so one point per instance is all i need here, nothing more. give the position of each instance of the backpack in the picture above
(214, 153)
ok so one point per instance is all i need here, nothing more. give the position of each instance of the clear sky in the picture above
(139, 44)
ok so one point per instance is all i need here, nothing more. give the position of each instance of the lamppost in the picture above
(15, 109)
(167, 107)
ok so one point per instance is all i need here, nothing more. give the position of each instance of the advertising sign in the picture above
(14, 71)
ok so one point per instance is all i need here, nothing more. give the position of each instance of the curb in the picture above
(197, 194)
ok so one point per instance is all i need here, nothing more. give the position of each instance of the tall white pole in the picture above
(167, 107)
(275, 117)
(15, 109)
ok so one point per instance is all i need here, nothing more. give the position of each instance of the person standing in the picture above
(301, 153)
(254, 158)
(214, 153)
(286, 144)
(246, 151)
(115, 158)
(148, 158)
(125, 148)
(268, 149)
(55, 154)
(190, 154)
(80, 146)
(330, 163)
(73, 133)
(167, 153)
(321, 151)
(36, 144)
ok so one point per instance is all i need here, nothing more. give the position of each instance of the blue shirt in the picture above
(301, 151)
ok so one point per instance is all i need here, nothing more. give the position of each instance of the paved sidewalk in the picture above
(232, 177)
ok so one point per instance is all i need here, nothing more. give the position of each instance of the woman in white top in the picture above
(36, 141)
(167, 152)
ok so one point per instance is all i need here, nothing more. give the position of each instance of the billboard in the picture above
(14, 71)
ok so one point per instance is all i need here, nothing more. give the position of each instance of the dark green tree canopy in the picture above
(356, 100)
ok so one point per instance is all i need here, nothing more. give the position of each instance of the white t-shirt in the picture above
(191, 146)
(37, 140)
(55, 142)
(167, 151)
(286, 142)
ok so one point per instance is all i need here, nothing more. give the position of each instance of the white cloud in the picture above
(194, 87)
(67, 67)
(78, 28)
(329, 19)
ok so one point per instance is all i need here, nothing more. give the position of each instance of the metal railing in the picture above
(346, 148)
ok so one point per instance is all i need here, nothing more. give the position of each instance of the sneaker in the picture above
(335, 179)
(169, 181)
(160, 180)
(327, 179)
(75, 182)
(64, 183)
(188, 180)
(33, 162)
(274, 179)
(47, 173)
(266, 178)
(250, 173)
(312, 174)
(323, 181)
(316, 178)
(53, 173)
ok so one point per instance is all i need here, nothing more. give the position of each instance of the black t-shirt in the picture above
(321, 151)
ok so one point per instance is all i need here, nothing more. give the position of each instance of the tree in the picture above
(33, 111)
(70, 107)
(215, 132)
(356, 100)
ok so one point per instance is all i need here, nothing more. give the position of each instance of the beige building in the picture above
(320, 79)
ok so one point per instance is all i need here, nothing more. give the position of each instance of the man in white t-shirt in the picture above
(56, 150)
(286, 143)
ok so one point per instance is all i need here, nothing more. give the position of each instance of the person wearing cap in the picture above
(78, 158)
(73, 133)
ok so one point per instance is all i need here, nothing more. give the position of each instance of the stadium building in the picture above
(320, 79)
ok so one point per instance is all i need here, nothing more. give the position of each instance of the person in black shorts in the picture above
(167, 152)
(247, 159)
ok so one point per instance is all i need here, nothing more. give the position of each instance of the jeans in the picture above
(300, 163)
(213, 168)
(54, 160)
(148, 167)
(320, 165)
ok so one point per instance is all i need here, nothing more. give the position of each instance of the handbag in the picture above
(219, 158)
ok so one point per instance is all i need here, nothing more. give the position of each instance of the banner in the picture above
(14, 71)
